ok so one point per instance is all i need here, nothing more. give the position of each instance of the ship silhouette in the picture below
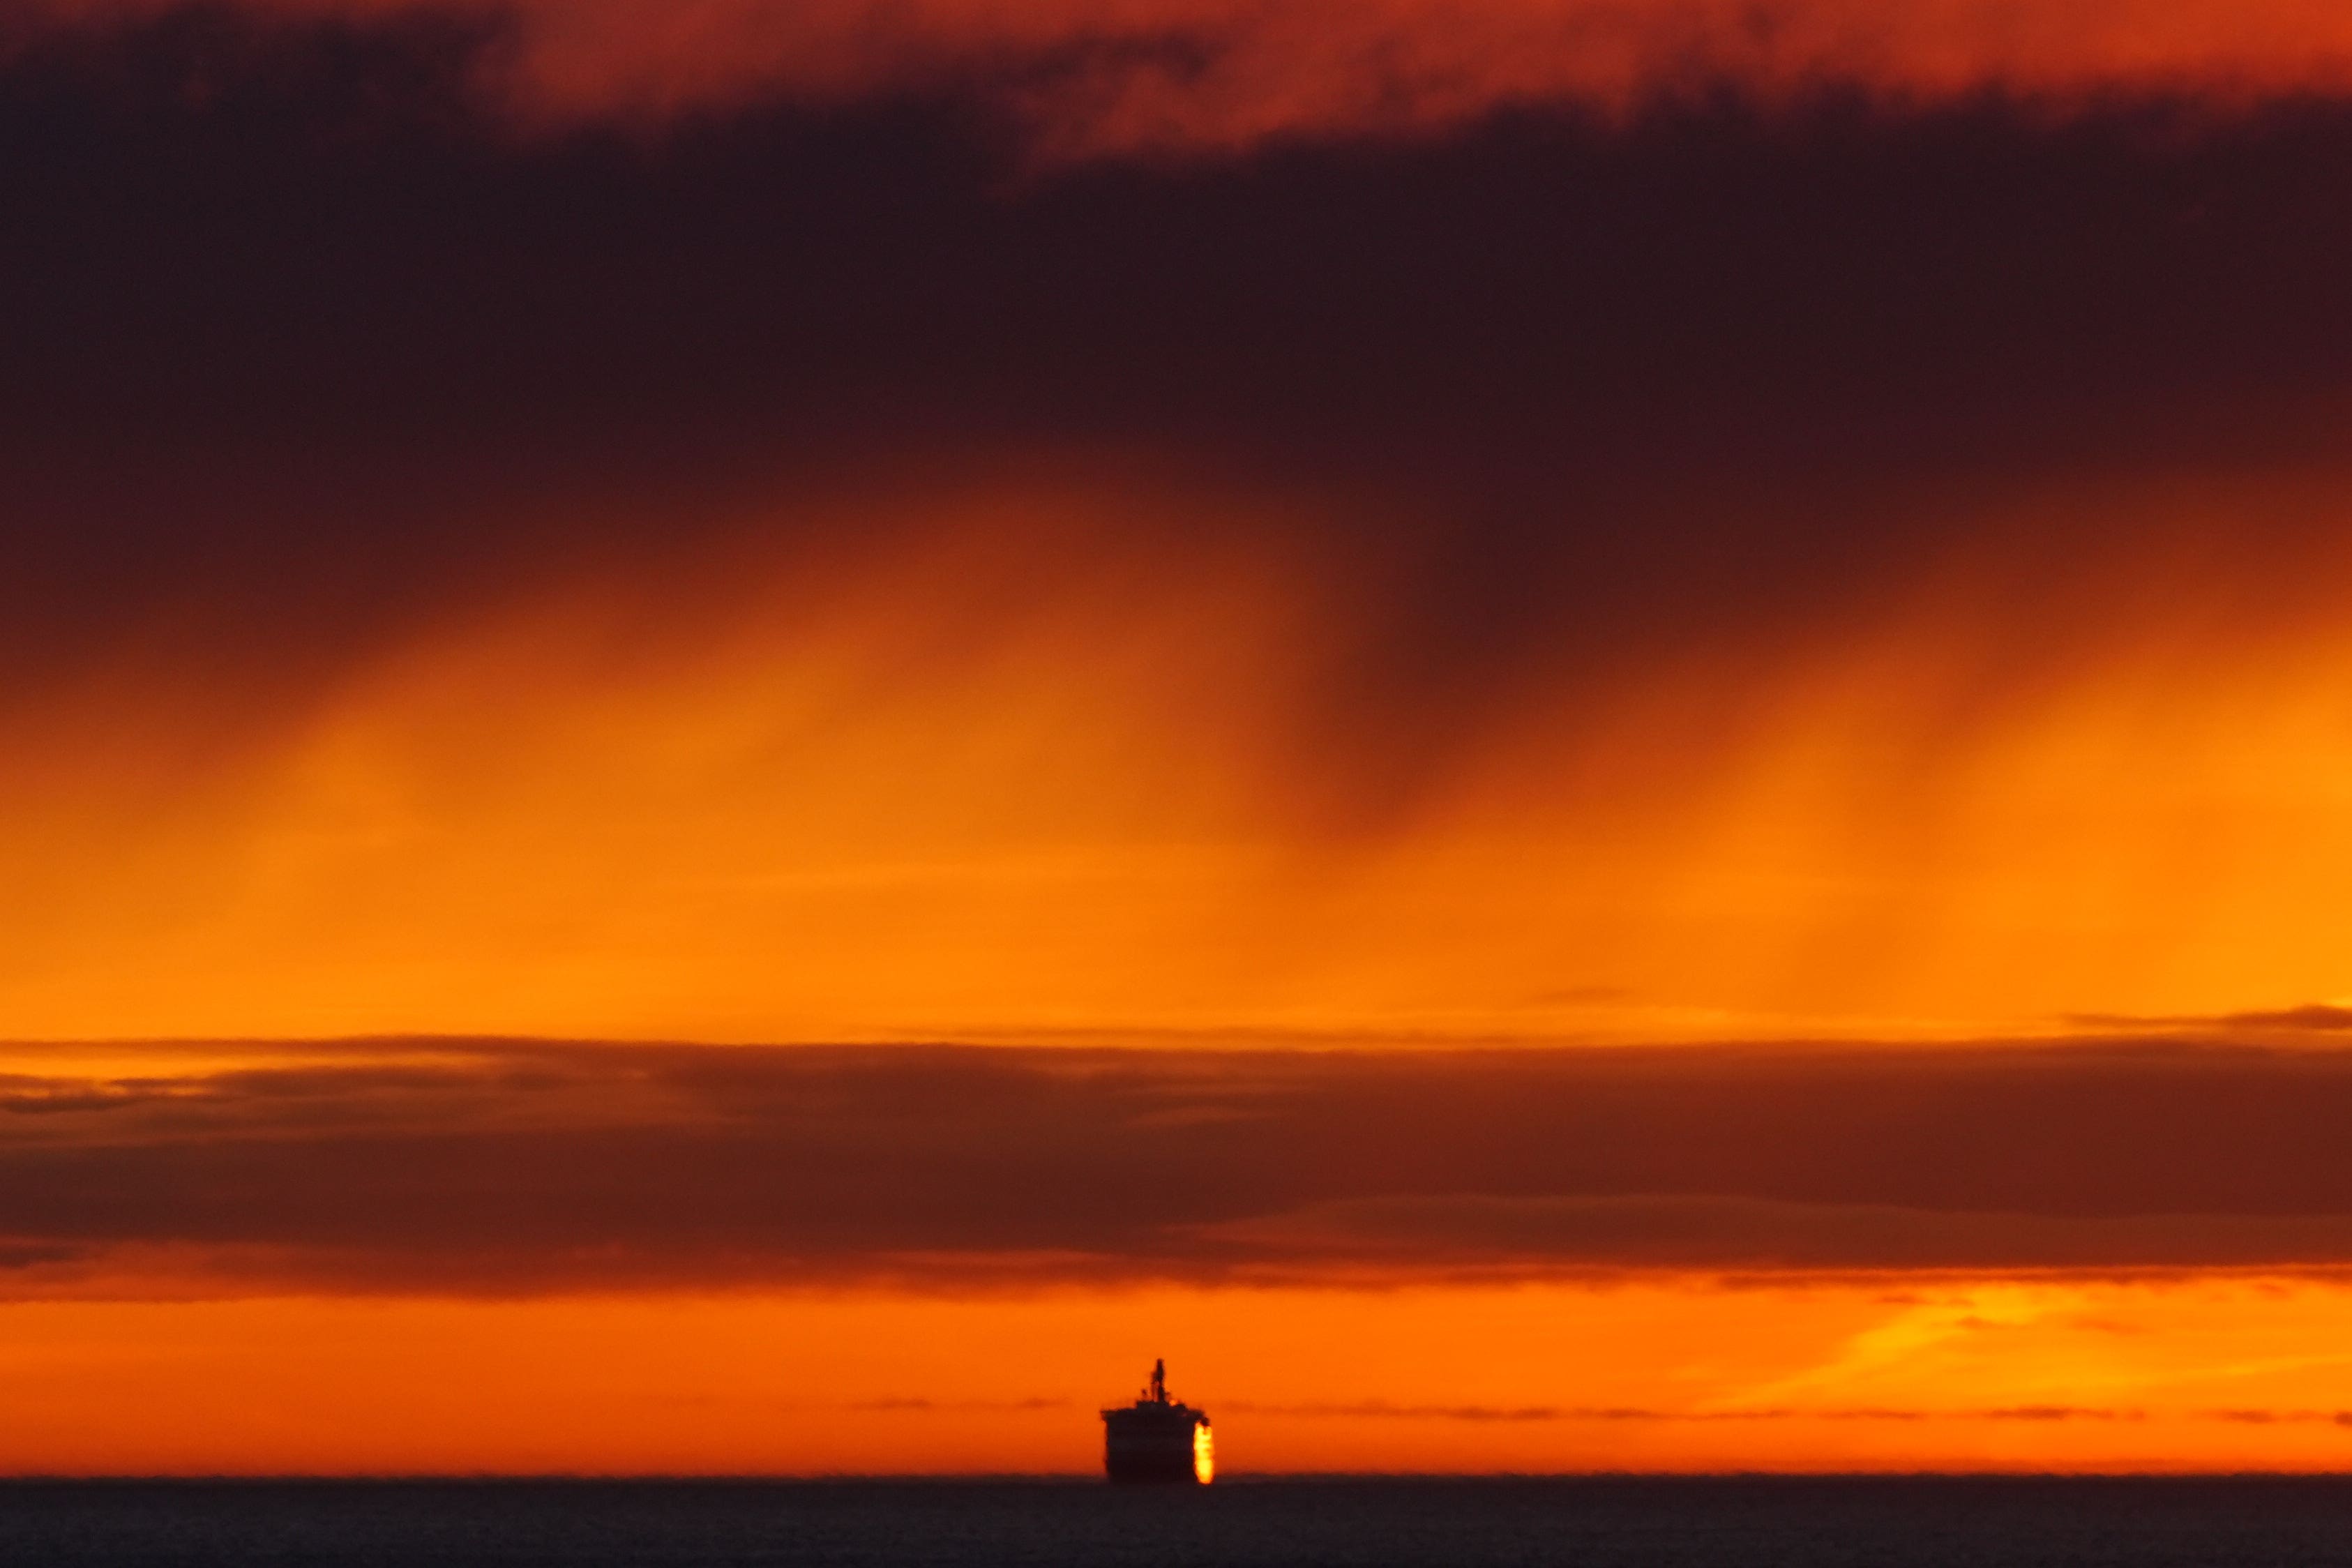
(1157, 1439)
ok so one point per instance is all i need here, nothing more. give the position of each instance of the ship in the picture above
(1158, 1438)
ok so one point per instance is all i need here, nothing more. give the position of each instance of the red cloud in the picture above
(1108, 76)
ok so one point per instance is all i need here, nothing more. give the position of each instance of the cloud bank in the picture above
(519, 1168)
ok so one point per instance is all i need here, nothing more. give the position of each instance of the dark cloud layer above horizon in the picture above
(519, 1167)
(304, 350)
(234, 226)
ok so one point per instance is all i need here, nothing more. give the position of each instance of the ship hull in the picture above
(1162, 1446)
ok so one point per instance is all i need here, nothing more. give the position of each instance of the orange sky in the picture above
(858, 799)
(378, 1258)
(865, 819)
(759, 738)
(1663, 1373)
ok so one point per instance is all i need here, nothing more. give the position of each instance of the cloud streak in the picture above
(1090, 78)
(1380, 1411)
(507, 1168)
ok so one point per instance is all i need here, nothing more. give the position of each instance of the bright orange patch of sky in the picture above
(1895, 1374)
(1010, 779)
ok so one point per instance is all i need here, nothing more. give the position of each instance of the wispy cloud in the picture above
(1378, 1410)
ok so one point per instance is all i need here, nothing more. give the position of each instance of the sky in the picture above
(1604, 734)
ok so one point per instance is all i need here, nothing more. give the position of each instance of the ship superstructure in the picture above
(1158, 1438)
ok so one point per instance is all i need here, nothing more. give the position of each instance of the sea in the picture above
(1948, 1523)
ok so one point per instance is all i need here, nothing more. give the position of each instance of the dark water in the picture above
(1269, 1524)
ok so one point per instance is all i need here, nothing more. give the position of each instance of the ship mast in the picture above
(1159, 1382)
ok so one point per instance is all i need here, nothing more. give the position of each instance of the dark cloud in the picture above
(2316, 1016)
(1744, 1233)
(303, 353)
(521, 1167)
